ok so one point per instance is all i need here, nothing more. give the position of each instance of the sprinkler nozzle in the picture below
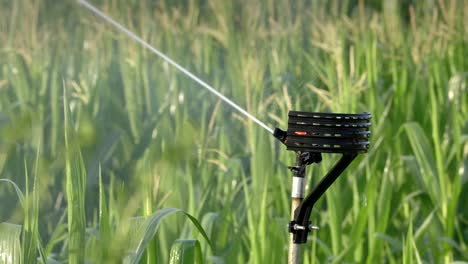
(280, 135)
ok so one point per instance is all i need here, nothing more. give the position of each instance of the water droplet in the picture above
(181, 98)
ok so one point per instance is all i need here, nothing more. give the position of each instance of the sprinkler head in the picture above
(326, 132)
(316, 133)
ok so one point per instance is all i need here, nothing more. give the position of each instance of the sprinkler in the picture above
(308, 134)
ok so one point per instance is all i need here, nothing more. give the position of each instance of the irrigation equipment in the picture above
(308, 134)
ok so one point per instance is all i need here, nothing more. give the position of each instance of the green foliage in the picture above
(10, 245)
(75, 191)
(185, 251)
(122, 134)
(144, 230)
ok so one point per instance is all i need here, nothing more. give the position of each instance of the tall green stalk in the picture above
(75, 191)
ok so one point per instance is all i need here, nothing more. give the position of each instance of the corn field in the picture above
(110, 155)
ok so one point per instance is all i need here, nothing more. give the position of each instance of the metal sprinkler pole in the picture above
(310, 134)
(297, 195)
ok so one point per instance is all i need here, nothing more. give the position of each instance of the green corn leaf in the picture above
(423, 153)
(10, 246)
(143, 231)
(209, 222)
(185, 251)
(19, 193)
(30, 224)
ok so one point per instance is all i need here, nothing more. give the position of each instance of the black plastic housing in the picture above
(327, 132)
(347, 134)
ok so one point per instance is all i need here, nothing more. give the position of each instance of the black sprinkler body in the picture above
(311, 134)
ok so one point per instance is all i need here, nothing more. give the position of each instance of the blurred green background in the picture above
(95, 129)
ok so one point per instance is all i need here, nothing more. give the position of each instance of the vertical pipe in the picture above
(297, 195)
(294, 254)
